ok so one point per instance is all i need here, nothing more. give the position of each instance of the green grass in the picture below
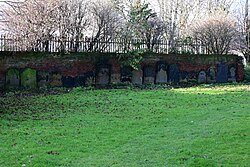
(200, 126)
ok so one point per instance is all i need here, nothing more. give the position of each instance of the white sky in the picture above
(238, 6)
(237, 3)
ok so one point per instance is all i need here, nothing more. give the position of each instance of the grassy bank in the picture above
(200, 126)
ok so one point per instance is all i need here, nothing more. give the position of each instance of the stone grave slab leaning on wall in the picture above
(161, 72)
(222, 73)
(126, 74)
(211, 74)
(29, 79)
(2, 81)
(12, 80)
(202, 78)
(149, 74)
(43, 78)
(174, 73)
(56, 79)
(137, 77)
(232, 73)
(103, 74)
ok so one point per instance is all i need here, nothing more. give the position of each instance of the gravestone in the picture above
(149, 75)
(103, 75)
(43, 78)
(202, 77)
(56, 80)
(2, 79)
(80, 80)
(137, 77)
(161, 76)
(68, 81)
(211, 75)
(174, 73)
(12, 79)
(126, 74)
(89, 78)
(28, 79)
(232, 74)
(184, 76)
(222, 75)
(115, 78)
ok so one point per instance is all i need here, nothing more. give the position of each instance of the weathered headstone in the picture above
(149, 75)
(84, 79)
(232, 74)
(126, 74)
(161, 76)
(43, 78)
(174, 73)
(56, 80)
(202, 77)
(12, 79)
(222, 75)
(79, 80)
(2, 79)
(187, 76)
(211, 75)
(89, 78)
(28, 79)
(137, 77)
(68, 81)
(103, 75)
(115, 78)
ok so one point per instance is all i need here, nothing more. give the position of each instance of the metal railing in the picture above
(10, 43)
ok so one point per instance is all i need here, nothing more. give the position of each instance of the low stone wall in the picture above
(32, 70)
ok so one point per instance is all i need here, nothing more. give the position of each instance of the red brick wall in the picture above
(73, 67)
(240, 72)
(2, 74)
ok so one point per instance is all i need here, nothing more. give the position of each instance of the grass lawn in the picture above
(199, 126)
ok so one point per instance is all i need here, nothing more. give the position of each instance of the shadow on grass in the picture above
(128, 127)
(48, 105)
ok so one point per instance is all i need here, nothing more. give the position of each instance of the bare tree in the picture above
(36, 22)
(105, 25)
(72, 21)
(32, 22)
(216, 32)
(180, 14)
(154, 32)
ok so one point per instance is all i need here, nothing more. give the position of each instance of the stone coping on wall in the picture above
(84, 54)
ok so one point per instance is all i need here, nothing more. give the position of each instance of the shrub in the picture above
(247, 73)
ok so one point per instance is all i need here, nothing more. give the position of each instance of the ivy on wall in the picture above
(132, 59)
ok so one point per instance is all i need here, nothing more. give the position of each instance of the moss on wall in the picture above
(28, 79)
